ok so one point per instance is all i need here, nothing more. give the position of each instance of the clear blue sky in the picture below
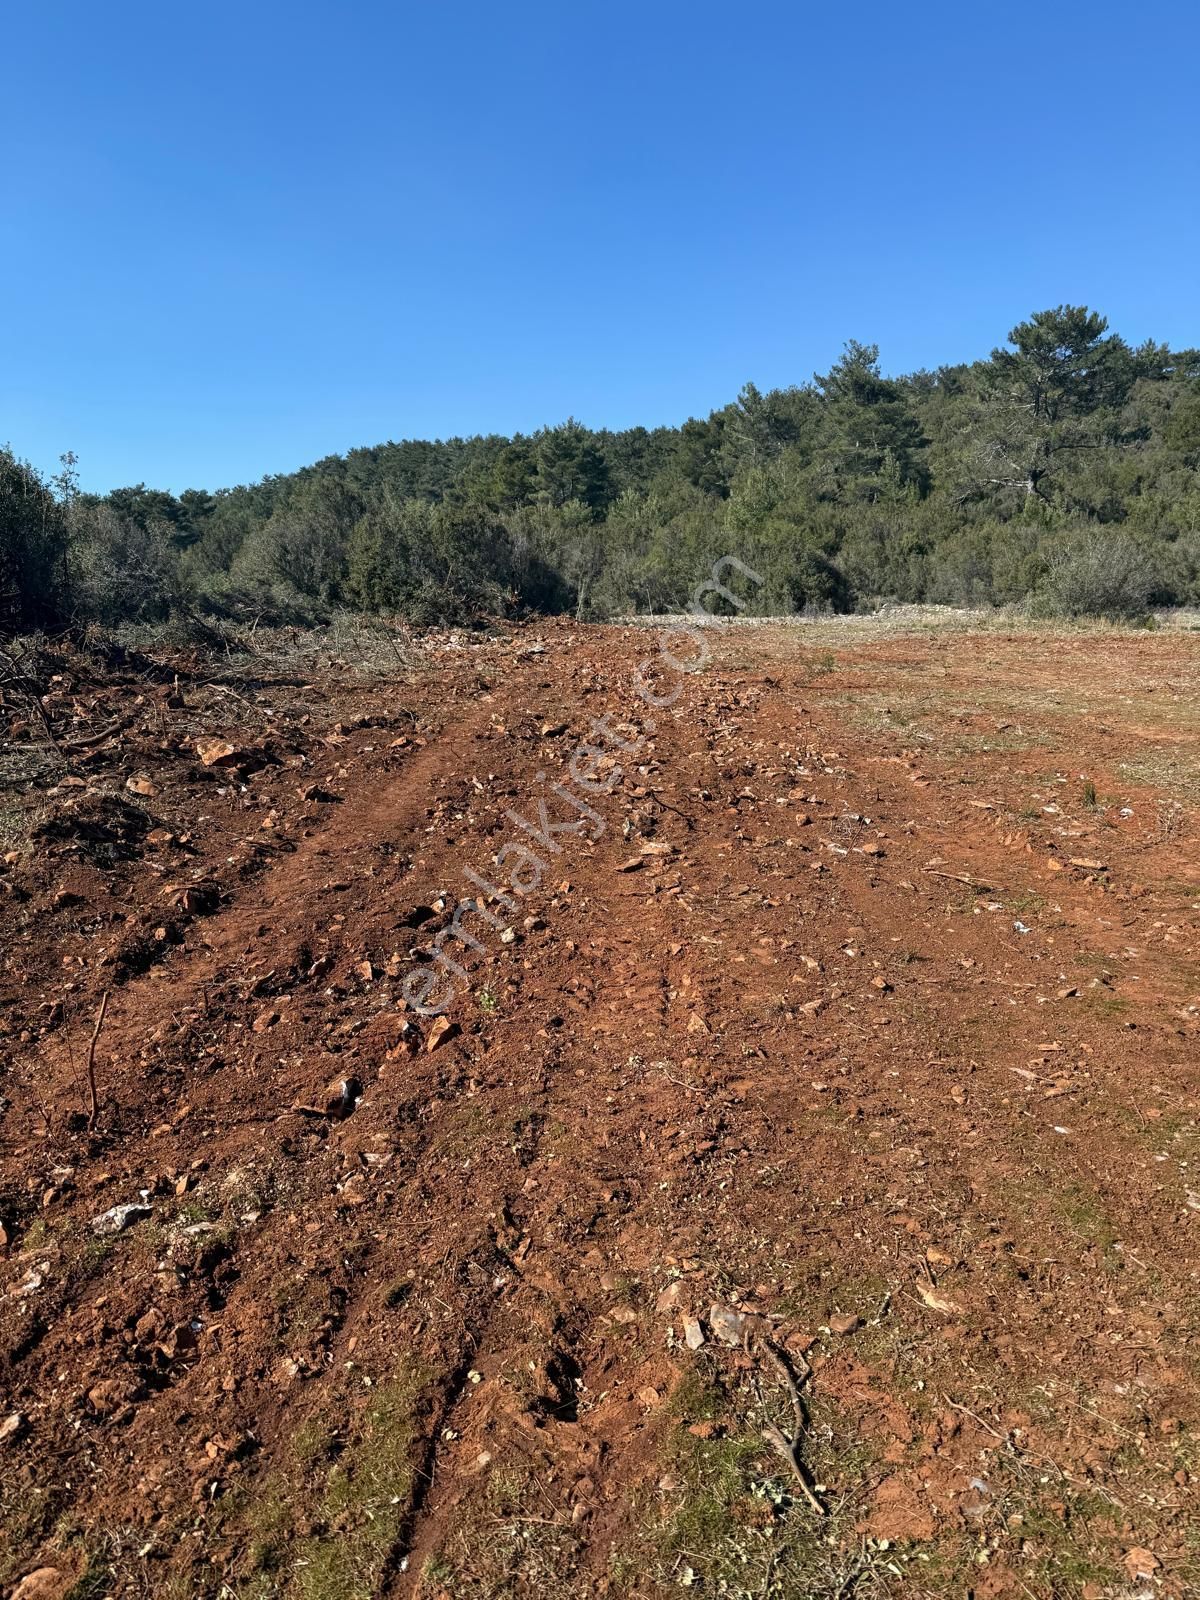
(235, 238)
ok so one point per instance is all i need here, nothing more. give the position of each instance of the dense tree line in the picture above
(1064, 468)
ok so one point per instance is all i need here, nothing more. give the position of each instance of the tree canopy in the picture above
(978, 483)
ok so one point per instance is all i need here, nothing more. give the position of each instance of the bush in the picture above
(121, 570)
(33, 540)
(1100, 575)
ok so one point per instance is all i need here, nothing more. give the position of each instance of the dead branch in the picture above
(16, 677)
(223, 688)
(667, 806)
(87, 740)
(93, 1101)
(789, 1448)
(957, 877)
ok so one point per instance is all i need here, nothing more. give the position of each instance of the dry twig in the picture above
(957, 877)
(789, 1448)
(90, 739)
(93, 1100)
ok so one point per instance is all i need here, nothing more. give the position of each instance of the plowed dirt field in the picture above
(797, 1194)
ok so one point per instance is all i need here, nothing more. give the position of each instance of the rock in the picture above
(1140, 1563)
(844, 1322)
(938, 1302)
(405, 1045)
(117, 1218)
(12, 1428)
(147, 1326)
(441, 1030)
(216, 752)
(670, 1297)
(728, 1325)
(109, 1396)
(693, 1333)
(44, 1583)
(341, 1096)
(264, 1020)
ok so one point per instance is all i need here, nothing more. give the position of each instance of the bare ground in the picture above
(859, 1024)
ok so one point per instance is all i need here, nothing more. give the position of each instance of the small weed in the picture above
(93, 1582)
(1026, 904)
(193, 1211)
(1104, 1004)
(95, 1253)
(696, 1398)
(1085, 1215)
(37, 1235)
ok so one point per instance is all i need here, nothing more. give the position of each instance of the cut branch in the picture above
(789, 1448)
(93, 1099)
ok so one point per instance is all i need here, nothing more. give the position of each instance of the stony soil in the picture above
(857, 1024)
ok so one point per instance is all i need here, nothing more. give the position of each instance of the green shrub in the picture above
(1100, 574)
